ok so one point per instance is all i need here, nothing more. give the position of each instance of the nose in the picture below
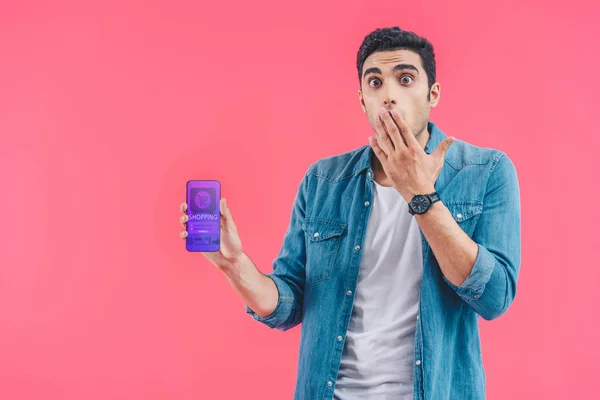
(389, 103)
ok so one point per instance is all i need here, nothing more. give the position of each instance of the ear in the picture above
(434, 93)
(362, 101)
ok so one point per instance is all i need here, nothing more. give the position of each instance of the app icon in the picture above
(203, 200)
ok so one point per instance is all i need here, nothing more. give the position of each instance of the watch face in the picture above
(420, 204)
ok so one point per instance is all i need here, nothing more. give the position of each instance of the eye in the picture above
(403, 79)
(374, 80)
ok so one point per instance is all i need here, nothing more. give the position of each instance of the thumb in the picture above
(226, 214)
(224, 209)
(443, 147)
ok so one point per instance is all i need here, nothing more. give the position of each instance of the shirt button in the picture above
(417, 317)
(329, 383)
(369, 174)
(459, 216)
(367, 203)
(316, 234)
(418, 362)
(357, 248)
(476, 296)
(349, 292)
(339, 338)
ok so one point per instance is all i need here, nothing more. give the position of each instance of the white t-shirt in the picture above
(378, 357)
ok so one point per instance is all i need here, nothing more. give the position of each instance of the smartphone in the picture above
(203, 198)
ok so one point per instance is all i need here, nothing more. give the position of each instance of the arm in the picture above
(483, 270)
(288, 274)
(254, 288)
(276, 297)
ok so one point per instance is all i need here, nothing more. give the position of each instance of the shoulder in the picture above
(339, 166)
(462, 154)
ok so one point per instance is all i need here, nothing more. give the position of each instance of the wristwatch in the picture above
(422, 202)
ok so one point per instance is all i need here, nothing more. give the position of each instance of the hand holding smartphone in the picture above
(206, 215)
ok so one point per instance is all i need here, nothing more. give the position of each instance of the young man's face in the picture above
(396, 79)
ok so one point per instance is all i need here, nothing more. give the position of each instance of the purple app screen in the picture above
(204, 216)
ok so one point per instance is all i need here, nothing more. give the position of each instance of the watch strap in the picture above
(433, 197)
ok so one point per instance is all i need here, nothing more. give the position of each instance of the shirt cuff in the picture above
(472, 288)
(284, 308)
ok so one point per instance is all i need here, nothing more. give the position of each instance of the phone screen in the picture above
(203, 199)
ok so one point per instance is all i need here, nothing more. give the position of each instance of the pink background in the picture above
(107, 109)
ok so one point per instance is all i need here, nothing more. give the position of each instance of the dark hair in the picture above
(387, 39)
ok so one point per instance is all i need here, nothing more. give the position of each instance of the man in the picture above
(393, 250)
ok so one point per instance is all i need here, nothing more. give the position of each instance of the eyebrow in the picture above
(398, 67)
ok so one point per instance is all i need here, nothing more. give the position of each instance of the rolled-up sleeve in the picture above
(289, 270)
(491, 285)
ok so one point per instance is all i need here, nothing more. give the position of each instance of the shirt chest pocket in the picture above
(466, 214)
(323, 240)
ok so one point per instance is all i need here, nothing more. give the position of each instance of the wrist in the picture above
(422, 203)
(232, 267)
(409, 195)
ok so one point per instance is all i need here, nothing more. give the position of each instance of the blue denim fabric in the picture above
(317, 268)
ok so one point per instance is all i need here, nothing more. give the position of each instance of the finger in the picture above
(443, 147)
(404, 130)
(183, 221)
(222, 206)
(227, 219)
(383, 139)
(183, 207)
(392, 129)
(377, 150)
(183, 234)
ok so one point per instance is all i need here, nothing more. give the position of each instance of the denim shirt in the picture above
(316, 270)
